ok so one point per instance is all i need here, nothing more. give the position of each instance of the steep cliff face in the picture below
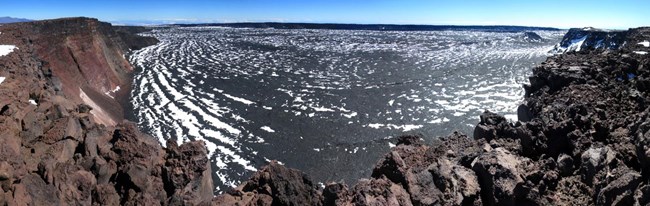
(52, 149)
(87, 57)
(577, 39)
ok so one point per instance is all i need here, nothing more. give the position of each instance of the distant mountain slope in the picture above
(381, 27)
(6, 19)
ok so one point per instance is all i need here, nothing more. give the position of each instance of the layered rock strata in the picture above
(59, 147)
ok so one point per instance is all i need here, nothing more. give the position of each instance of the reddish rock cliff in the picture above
(87, 57)
(55, 149)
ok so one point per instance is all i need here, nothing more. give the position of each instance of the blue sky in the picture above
(554, 13)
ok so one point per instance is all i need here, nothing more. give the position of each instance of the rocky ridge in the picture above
(86, 58)
(55, 151)
(582, 139)
(590, 38)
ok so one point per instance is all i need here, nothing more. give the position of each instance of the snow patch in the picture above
(239, 99)
(353, 114)
(267, 129)
(322, 109)
(511, 117)
(641, 52)
(576, 44)
(31, 101)
(6, 49)
(109, 93)
(439, 120)
(645, 43)
(405, 128)
(2, 79)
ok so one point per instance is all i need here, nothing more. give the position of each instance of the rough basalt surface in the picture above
(583, 139)
(54, 152)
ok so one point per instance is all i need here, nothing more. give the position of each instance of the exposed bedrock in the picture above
(588, 38)
(53, 148)
(87, 60)
(583, 139)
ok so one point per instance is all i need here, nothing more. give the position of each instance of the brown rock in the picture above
(138, 166)
(105, 194)
(286, 186)
(458, 185)
(274, 184)
(187, 173)
(6, 175)
(498, 174)
(379, 192)
(32, 190)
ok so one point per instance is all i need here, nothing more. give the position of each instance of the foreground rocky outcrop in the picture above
(582, 139)
(54, 150)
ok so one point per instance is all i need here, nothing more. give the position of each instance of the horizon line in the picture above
(167, 22)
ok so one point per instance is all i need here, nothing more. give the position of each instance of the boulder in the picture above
(594, 160)
(457, 185)
(336, 194)
(379, 192)
(620, 191)
(32, 190)
(139, 162)
(105, 194)
(499, 175)
(286, 186)
(186, 173)
(274, 184)
(492, 126)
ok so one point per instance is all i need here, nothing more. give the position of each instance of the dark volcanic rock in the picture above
(500, 174)
(492, 126)
(532, 37)
(577, 39)
(620, 191)
(336, 194)
(274, 184)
